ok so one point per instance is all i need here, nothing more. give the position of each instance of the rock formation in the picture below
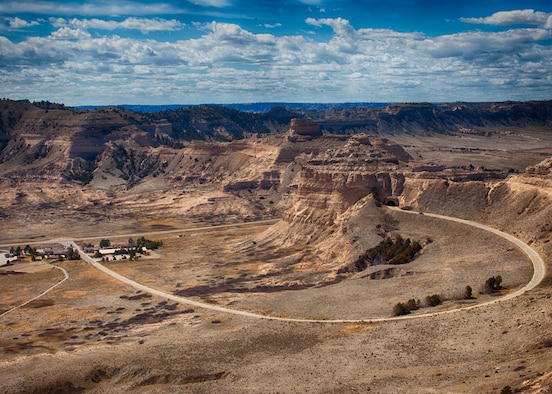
(304, 127)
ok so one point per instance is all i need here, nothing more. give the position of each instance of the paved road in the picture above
(539, 271)
(66, 276)
(90, 260)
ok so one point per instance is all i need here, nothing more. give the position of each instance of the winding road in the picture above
(66, 276)
(539, 270)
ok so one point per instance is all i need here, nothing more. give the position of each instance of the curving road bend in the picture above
(66, 276)
(539, 267)
(539, 271)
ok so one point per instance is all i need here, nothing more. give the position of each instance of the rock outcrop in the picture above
(304, 127)
(333, 181)
(520, 204)
(333, 198)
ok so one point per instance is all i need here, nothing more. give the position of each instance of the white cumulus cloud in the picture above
(18, 23)
(339, 25)
(144, 25)
(272, 26)
(226, 62)
(66, 33)
(515, 17)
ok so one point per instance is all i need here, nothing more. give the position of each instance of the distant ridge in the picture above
(261, 107)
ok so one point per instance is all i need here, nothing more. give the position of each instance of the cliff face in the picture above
(444, 118)
(336, 199)
(304, 127)
(520, 204)
(324, 194)
(319, 184)
(333, 181)
(25, 123)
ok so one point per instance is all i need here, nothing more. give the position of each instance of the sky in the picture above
(235, 51)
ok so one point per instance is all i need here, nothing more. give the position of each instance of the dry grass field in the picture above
(95, 334)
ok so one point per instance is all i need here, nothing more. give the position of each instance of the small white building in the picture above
(107, 251)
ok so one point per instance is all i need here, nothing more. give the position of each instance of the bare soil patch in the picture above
(23, 281)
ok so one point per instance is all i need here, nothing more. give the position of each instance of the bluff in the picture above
(337, 198)
(519, 204)
(444, 118)
(329, 189)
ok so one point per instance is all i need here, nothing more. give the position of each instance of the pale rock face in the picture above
(332, 182)
(519, 204)
(333, 193)
(304, 127)
(544, 168)
(336, 204)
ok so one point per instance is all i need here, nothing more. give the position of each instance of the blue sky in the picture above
(235, 51)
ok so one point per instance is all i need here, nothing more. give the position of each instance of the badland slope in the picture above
(476, 118)
(519, 204)
(38, 136)
(215, 162)
(67, 173)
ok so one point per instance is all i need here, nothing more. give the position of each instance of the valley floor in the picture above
(95, 333)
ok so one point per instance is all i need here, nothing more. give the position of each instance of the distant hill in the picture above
(170, 126)
(343, 118)
(246, 107)
(34, 133)
(174, 123)
(446, 118)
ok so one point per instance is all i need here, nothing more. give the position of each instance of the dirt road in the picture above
(65, 277)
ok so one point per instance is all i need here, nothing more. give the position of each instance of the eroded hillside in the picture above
(78, 174)
(101, 165)
(519, 204)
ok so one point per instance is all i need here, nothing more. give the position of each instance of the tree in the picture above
(105, 243)
(468, 293)
(493, 284)
(149, 244)
(30, 251)
(412, 304)
(506, 390)
(388, 251)
(434, 300)
(401, 309)
(72, 254)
